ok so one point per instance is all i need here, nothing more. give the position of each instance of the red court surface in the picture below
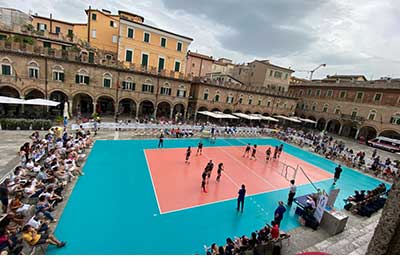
(177, 185)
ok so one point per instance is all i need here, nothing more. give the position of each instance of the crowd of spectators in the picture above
(337, 151)
(31, 194)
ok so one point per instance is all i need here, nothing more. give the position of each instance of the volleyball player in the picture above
(203, 181)
(199, 148)
(253, 153)
(219, 171)
(188, 152)
(247, 150)
(267, 154)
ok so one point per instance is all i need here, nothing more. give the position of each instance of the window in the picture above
(165, 91)
(229, 99)
(181, 92)
(309, 92)
(93, 33)
(82, 77)
(329, 93)
(58, 75)
(205, 96)
(278, 74)
(107, 80)
(372, 115)
(58, 30)
(337, 110)
(179, 46)
(5, 69)
(250, 100)
(378, 97)
(128, 85)
(353, 114)
(148, 88)
(41, 27)
(269, 104)
(300, 92)
(115, 39)
(177, 66)
(91, 57)
(342, 94)
(46, 44)
(33, 72)
(286, 76)
(241, 100)
(113, 24)
(161, 63)
(216, 98)
(145, 60)
(271, 72)
(131, 32)
(259, 102)
(318, 92)
(128, 55)
(325, 109)
(70, 33)
(359, 95)
(395, 119)
(163, 42)
(94, 17)
(146, 37)
(314, 107)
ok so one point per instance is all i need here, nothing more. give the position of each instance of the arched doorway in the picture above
(9, 110)
(163, 110)
(105, 106)
(146, 109)
(215, 110)
(265, 114)
(248, 113)
(367, 132)
(333, 126)
(59, 97)
(312, 118)
(349, 129)
(82, 105)
(179, 112)
(127, 108)
(227, 111)
(321, 124)
(34, 111)
(390, 134)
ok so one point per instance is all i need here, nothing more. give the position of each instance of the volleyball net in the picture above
(289, 172)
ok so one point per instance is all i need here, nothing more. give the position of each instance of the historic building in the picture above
(351, 106)
(262, 73)
(198, 65)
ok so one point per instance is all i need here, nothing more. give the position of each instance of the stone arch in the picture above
(312, 118)
(59, 96)
(82, 104)
(163, 109)
(33, 92)
(266, 114)
(127, 107)
(215, 110)
(367, 132)
(349, 129)
(146, 109)
(333, 126)
(105, 105)
(34, 111)
(321, 122)
(202, 108)
(248, 113)
(390, 133)
(179, 111)
(10, 110)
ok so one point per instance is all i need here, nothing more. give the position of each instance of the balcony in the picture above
(359, 119)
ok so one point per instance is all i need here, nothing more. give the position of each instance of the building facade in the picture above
(351, 108)
(223, 66)
(262, 73)
(198, 65)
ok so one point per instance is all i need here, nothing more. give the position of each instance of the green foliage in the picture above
(25, 124)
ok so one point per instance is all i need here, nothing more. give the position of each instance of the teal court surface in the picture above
(125, 205)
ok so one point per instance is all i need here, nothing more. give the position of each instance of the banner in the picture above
(319, 211)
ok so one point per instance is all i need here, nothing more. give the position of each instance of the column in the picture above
(94, 106)
(184, 115)
(326, 126)
(155, 112)
(358, 132)
(70, 107)
(137, 112)
(22, 106)
(340, 129)
(171, 113)
(195, 116)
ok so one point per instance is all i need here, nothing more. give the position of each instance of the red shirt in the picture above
(275, 232)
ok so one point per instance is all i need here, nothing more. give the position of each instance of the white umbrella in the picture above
(11, 100)
(66, 114)
(245, 116)
(42, 102)
(265, 117)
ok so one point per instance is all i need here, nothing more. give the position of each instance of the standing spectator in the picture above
(161, 141)
(240, 200)
(279, 213)
(4, 195)
(65, 122)
(338, 171)
(292, 193)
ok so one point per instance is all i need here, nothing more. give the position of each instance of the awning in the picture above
(289, 118)
(265, 117)
(306, 120)
(216, 114)
(249, 117)
(40, 101)
(11, 100)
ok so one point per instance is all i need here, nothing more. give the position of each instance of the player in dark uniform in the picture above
(338, 171)
(253, 152)
(267, 154)
(199, 148)
(219, 171)
(209, 168)
(161, 141)
(247, 151)
(276, 151)
(280, 150)
(203, 181)
(188, 152)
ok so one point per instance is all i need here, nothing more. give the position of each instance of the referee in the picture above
(292, 193)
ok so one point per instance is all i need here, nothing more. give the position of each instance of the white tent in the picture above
(266, 117)
(11, 100)
(289, 118)
(40, 101)
(249, 117)
(216, 114)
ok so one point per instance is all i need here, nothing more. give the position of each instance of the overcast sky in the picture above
(361, 37)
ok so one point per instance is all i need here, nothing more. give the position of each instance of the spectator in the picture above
(280, 210)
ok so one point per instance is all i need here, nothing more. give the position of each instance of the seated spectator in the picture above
(32, 237)
(274, 230)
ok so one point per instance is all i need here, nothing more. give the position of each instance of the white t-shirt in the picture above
(293, 189)
(34, 223)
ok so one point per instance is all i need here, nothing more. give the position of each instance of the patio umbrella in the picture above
(11, 100)
(66, 114)
(42, 102)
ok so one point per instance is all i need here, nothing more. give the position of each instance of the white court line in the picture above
(152, 182)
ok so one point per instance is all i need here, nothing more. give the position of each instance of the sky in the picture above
(351, 37)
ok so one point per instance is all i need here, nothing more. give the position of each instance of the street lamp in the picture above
(312, 71)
